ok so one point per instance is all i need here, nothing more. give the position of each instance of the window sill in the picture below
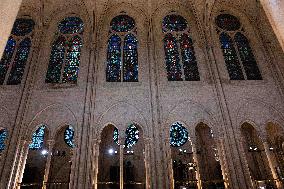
(121, 84)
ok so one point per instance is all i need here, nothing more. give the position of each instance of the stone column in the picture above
(195, 159)
(22, 161)
(121, 181)
(50, 145)
(147, 162)
(8, 13)
(274, 10)
(272, 164)
(96, 153)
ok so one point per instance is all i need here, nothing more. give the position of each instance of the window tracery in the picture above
(38, 138)
(180, 57)
(122, 61)
(178, 135)
(16, 53)
(65, 54)
(237, 52)
(69, 136)
(131, 136)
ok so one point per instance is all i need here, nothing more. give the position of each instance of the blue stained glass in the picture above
(172, 58)
(116, 136)
(174, 23)
(3, 136)
(72, 61)
(23, 26)
(113, 70)
(122, 23)
(188, 58)
(71, 25)
(18, 67)
(131, 136)
(178, 135)
(56, 60)
(69, 136)
(38, 138)
(231, 58)
(247, 57)
(130, 59)
(228, 22)
(6, 59)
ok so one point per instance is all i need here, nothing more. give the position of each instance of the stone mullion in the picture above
(50, 145)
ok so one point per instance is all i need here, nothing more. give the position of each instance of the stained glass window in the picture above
(231, 57)
(174, 23)
(178, 135)
(228, 22)
(6, 58)
(71, 25)
(71, 69)
(131, 136)
(38, 138)
(3, 136)
(113, 70)
(236, 49)
(122, 66)
(247, 57)
(23, 26)
(18, 67)
(122, 23)
(56, 60)
(69, 136)
(130, 59)
(188, 58)
(180, 57)
(65, 55)
(172, 58)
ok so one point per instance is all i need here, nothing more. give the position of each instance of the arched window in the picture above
(236, 48)
(131, 136)
(180, 57)
(65, 54)
(38, 138)
(16, 53)
(3, 136)
(122, 52)
(69, 136)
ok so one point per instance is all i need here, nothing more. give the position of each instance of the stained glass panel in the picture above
(174, 23)
(72, 61)
(6, 59)
(3, 136)
(69, 136)
(132, 136)
(18, 67)
(228, 22)
(247, 57)
(122, 23)
(172, 58)
(130, 59)
(71, 25)
(231, 58)
(188, 58)
(113, 69)
(38, 138)
(56, 60)
(23, 26)
(178, 135)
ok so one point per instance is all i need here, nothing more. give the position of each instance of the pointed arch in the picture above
(18, 67)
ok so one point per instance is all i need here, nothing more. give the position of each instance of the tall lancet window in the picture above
(122, 52)
(238, 54)
(65, 54)
(16, 53)
(180, 57)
